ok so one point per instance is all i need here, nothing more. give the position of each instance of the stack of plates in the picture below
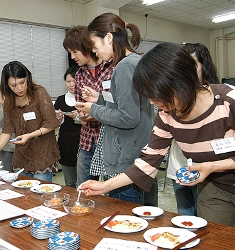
(44, 229)
(64, 241)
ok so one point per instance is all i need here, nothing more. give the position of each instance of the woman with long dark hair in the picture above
(127, 117)
(29, 113)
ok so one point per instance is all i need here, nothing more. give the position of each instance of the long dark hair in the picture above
(168, 73)
(209, 71)
(109, 22)
(16, 70)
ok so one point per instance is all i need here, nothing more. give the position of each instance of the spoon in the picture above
(18, 172)
(79, 194)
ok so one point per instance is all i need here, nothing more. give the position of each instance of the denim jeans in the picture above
(70, 175)
(84, 163)
(44, 177)
(131, 193)
(151, 198)
(186, 199)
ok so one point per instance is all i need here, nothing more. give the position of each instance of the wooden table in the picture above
(220, 236)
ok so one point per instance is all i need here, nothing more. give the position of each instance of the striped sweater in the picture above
(194, 139)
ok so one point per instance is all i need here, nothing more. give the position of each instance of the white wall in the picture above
(52, 12)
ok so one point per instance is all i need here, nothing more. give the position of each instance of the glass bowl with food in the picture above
(54, 199)
(79, 207)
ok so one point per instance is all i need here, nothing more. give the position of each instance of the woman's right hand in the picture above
(91, 187)
(89, 95)
(59, 115)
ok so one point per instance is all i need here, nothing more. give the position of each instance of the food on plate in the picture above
(55, 202)
(187, 223)
(147, 213)
(25, 184)
(81, 210)
(124, 225)
(166, 238)
(46, 189)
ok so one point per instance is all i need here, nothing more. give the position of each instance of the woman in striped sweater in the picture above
(199, 117)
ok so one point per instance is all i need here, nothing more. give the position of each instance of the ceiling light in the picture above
(150, 2)
(224, 18)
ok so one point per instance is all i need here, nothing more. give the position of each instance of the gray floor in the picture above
(166, 197)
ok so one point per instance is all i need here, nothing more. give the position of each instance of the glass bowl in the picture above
(85, 207)
(10, 177)
(54, 199)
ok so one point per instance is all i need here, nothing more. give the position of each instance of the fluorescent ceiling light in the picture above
(150, 2)
(224, 18)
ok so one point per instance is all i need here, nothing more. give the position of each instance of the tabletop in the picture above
(219, 237)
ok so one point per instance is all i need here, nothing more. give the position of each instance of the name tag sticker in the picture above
(29, 116)
(107, 96)
(223, 145)
(106, 84)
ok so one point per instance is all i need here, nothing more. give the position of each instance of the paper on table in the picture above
(42, 213)
(117, 244)
(8, 194)
(2, 182)
(4, 245)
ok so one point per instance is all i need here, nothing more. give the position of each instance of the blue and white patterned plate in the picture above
(64, 240)
(22, 222)
(185, 176)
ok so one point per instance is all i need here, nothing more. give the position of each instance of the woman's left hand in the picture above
(22, 139)
(83, 106)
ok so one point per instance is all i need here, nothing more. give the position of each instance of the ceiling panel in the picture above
(185, 12)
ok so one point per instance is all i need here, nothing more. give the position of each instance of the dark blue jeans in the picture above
(186, 199)
(131, 193)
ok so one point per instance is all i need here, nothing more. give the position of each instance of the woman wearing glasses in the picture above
(29, 113)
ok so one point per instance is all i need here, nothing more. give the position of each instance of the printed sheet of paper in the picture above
(42, 213)
(4, 245)
(8, 194)
(117, 244)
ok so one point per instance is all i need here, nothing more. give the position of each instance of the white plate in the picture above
(126, 217)
(184, 235)
(144, 210)
(45, 188)
(197, 222)
(25, 183)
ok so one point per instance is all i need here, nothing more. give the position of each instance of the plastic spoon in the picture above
(78, 202)
(20, 171)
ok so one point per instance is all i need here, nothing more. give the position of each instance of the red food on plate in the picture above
(187, 223)
(147, 213)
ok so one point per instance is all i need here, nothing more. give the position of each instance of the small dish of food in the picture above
(190, 222)
(148, 212)
(45, 188)
(25, 183)
(83, 207)
(54, 199)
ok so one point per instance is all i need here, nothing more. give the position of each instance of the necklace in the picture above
(24, 102)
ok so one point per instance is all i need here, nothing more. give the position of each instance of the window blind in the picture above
(40, 49)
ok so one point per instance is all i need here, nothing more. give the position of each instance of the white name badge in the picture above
(223, 145)
(106, 84)
(29, 116)
(107, 96)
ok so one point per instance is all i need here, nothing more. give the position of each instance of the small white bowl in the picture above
(3, 172)
(148, 212)
(10, 177)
